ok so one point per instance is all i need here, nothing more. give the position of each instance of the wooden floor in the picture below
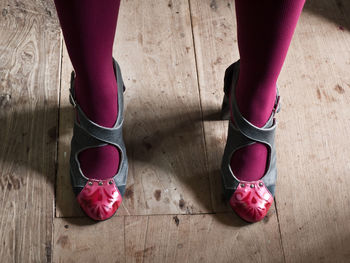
(173, 55)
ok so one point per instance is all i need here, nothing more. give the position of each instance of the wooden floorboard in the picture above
(166, 238)
(30, 45)
(80, 240)
(214, 35)
(312, 196)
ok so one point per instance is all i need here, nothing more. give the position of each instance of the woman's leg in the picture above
(265, 29)
(88, 28)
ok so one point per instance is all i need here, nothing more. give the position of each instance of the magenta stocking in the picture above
(265, 29)
(88, 28)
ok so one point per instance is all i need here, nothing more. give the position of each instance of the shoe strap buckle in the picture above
(275, 107)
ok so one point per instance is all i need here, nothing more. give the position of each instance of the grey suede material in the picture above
(245, 133)
(88, 134)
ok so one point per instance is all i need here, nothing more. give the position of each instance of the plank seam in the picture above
(191, 214)
(58, 124)
(144, 243)
(56, 159)
(124, 240)
(279, 230)
(201, 107)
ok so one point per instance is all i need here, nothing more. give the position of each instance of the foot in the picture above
(250, 162)
(99, 101)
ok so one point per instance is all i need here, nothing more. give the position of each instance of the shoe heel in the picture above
(225, 109)
(229, 74)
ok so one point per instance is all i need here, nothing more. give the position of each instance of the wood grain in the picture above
(79, 240)
(210, 238)
(166, 238)
(313, 195)
(30, 46)
(214, 34)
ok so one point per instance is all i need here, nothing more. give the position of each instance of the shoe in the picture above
(250, 200)
(99, 199)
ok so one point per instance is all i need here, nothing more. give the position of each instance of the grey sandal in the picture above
(99, 199)
(250, 200)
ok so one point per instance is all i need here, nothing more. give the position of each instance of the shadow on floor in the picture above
(31, 143)
(336, 11)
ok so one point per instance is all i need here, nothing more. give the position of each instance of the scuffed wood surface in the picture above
(30, 45)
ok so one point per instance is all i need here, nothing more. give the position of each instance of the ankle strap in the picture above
(264, 134)
(105, 134)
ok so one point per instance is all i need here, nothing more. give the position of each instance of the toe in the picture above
(100, 199)
(251, 201)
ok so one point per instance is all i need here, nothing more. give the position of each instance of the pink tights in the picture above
(265, 29)
(88, 28)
